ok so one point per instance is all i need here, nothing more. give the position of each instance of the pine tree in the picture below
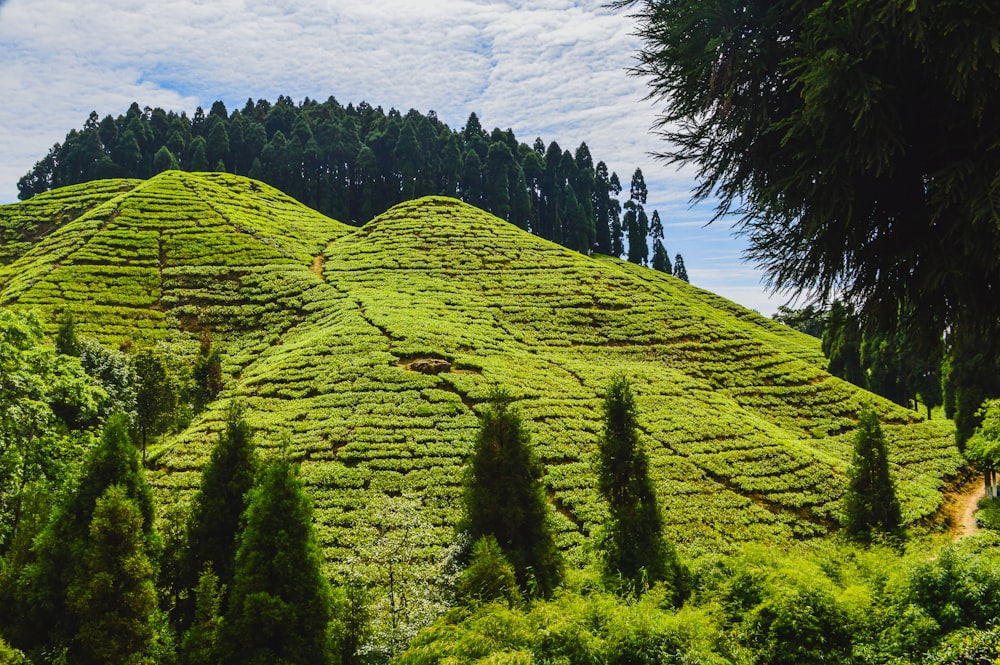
(60, 547)
(164, 160)
(66, 341)
(114, 599)
(200, 643)
(505, 499)
(680, 271)
(216, 509)
(279, 604)
(156, 397)
(635, 553)
(207, 372)
(661, 261)
(870, 503)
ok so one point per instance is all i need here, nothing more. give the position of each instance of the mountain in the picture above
(366, 351)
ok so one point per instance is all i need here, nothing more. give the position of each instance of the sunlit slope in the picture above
(179, 252)
(749, 438)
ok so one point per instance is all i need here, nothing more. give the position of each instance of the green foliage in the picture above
(799, 118)
(505, 500)
(111, 370)
(635, 553)
(217, 508)
(200, 644)
(870, 503)
(489, 576)
(352, 163)
(114, 598)
(571, 628)
(156, 396)
(842, 344)
(207, 373)
(61, 546)
(42, 396)
(279, 604)
(983, 449)
(748, 437)
(66, 341)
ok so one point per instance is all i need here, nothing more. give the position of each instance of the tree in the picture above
(842, 344)
(870, 503)
(855, 140)
(809, 319)
(200, 643)
(114, 599)
(164, 160)
(661, 261)
(983, 449)
(156, 397)
(207, 372)
(43, 397)
(504, 498)
(66, 341)
(635, 553)
(222, 498)
(680, 271)
(489, 576)
(279, 604)
(59, 549)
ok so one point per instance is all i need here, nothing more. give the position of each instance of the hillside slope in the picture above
(321, 323)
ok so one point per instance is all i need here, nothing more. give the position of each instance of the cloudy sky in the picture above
(549, 68)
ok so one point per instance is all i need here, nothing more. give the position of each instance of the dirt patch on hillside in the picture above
(960, 507)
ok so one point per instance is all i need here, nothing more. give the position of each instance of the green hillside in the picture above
(323, 326)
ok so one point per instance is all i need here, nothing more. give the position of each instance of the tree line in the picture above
(890, 363)
(353, 163)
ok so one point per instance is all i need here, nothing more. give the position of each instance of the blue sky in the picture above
(549, 68)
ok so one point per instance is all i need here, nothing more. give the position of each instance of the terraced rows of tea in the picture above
(323, 326)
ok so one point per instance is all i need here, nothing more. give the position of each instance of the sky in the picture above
(555, 69)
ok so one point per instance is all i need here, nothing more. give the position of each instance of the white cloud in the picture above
(549, 68)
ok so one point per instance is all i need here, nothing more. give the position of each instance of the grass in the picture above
(749, 438)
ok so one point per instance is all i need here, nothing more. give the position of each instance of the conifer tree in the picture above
(279, 604)
(207, 372)
(505, 499)
(660, 261)
(635, 552)
(164, 160)
(114, 598)
(60, 547)
(66, 341)
(680, 271)
(870, 503)
(216, 509)
(156, 397)
(200, 643)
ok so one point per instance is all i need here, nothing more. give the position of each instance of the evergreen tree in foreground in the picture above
(61, 546)
(215, 513)
(279, 604)
(505, 499)
(870, 504)
(634, 549)
(115, 598)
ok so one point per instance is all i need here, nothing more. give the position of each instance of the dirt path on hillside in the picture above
(961, 507)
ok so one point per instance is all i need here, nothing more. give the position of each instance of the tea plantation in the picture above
(323, 325)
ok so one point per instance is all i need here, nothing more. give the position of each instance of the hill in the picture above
(323, 328)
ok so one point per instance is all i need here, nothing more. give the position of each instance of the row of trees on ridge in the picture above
(353, 163)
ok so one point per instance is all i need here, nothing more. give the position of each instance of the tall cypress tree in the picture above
(61, 546)
(114, 599)
(634, 549)
(680, 270)
(279, 605)
(870, 503)
(215, 514)
(505, 499)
